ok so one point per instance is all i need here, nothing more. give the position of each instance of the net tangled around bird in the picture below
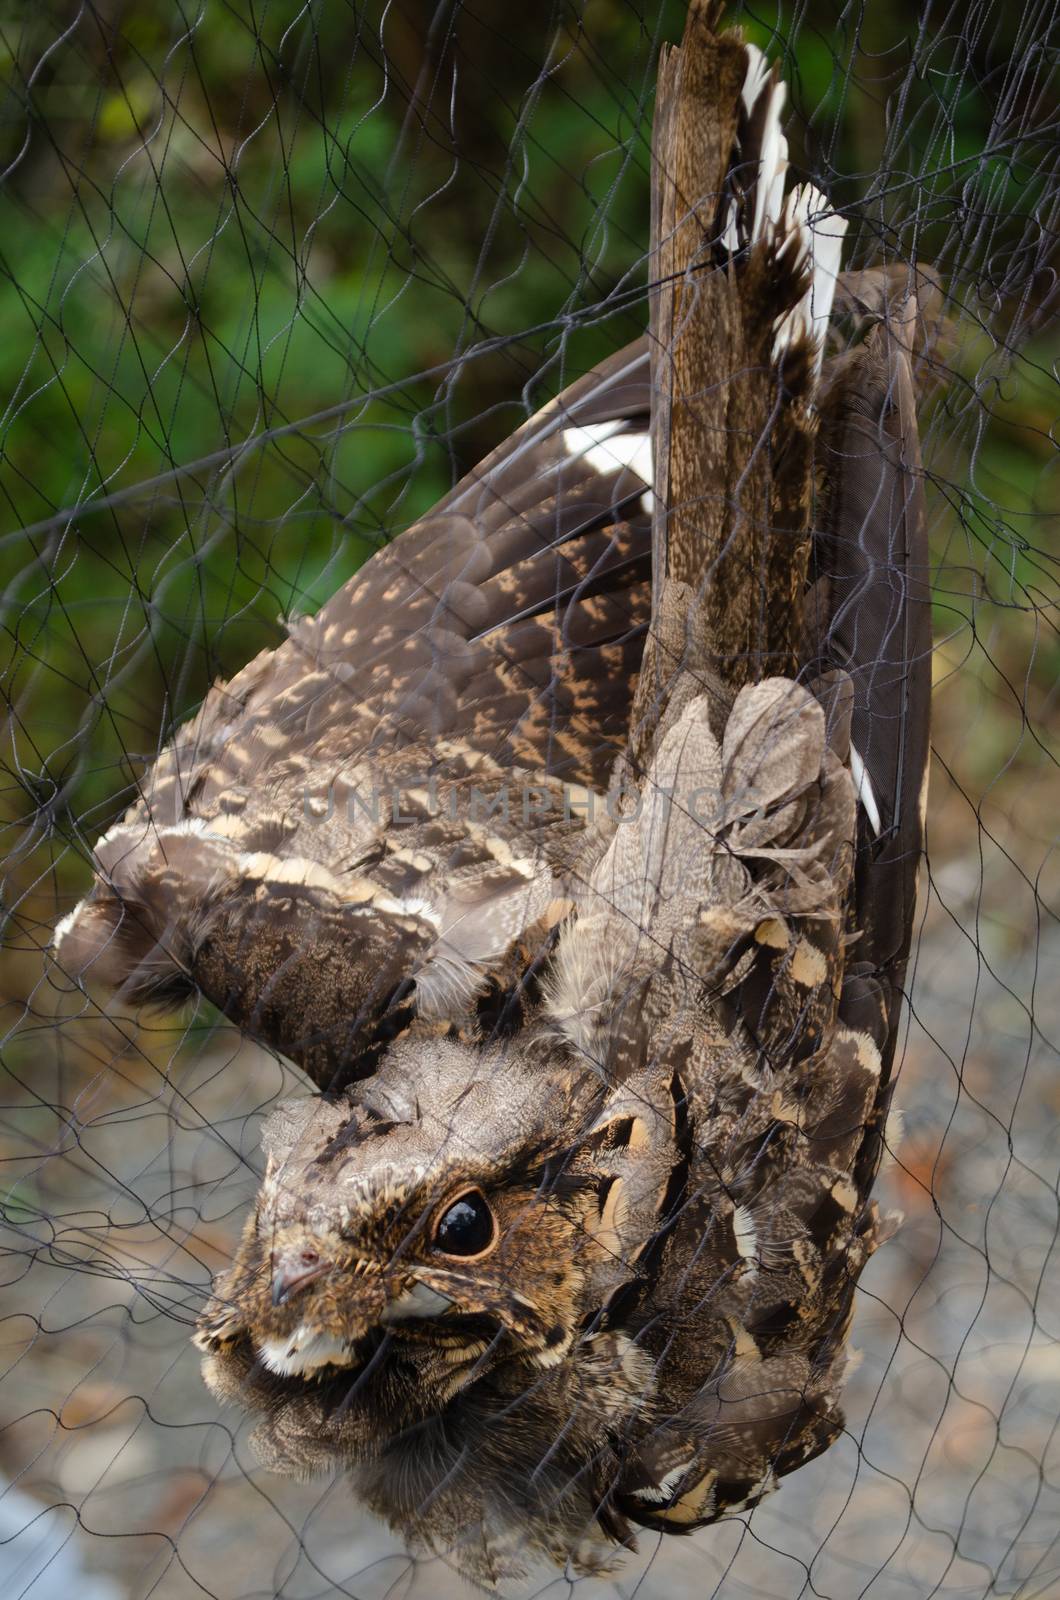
(274, 281)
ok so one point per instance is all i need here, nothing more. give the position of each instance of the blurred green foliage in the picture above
(271, 282)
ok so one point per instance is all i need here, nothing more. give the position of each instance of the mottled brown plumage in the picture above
(571, 850)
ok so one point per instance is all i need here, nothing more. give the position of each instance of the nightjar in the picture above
(571, 850)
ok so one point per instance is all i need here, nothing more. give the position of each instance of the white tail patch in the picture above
(755, 78)
(607, 449)
(773, 162)
(864, 790)
(810, 229)
(804, 223)
(773, 166)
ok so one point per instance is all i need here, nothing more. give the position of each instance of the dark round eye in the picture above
(467, 1228)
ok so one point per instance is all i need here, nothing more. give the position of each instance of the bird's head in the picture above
(441, 1219)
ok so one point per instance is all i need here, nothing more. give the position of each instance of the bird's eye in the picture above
(467, 1227)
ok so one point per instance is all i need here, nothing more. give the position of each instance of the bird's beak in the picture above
(295, 1270)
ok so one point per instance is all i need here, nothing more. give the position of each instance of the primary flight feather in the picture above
(571, 849)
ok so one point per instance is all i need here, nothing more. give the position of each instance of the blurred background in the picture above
(272, 278)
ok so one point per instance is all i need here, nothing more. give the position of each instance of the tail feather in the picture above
(818, 236)
(745, 281)
(758, 173)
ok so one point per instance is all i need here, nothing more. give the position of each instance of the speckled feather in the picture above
(640, 1031)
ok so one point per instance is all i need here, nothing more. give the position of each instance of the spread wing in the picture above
(351, 810)
(508, 620)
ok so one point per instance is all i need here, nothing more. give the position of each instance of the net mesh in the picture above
(273, 278)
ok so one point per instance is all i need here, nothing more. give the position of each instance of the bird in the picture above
(571, 851)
